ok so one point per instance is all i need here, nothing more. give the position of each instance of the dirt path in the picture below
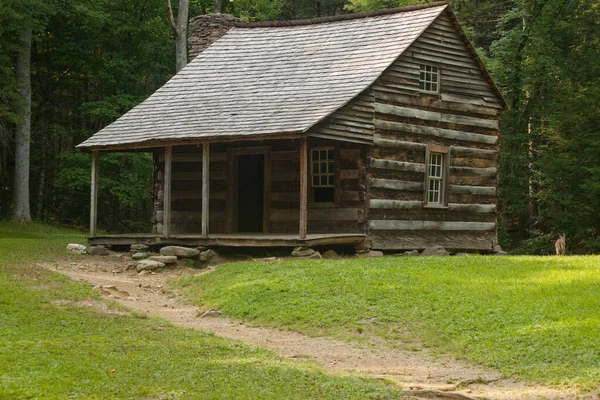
(415, 371)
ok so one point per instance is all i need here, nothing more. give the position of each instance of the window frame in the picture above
(444, 153)
(336, 178)
(423, 70)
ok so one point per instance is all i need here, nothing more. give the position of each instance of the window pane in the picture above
(330, 168)
(315, 181)
(323, 180)
(315, 155)
(315, 168)
(330, 180)
(330, 155)
(323, 154)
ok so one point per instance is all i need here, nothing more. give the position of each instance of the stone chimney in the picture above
(204, 30)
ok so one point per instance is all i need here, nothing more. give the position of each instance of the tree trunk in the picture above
(218, 7)
(21, 211)
(180, 32)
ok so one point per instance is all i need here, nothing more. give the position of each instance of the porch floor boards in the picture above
(231, 239)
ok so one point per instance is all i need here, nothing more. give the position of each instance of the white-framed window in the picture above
(322, 175)
(429, 78)
(435, 176)
(437, 163)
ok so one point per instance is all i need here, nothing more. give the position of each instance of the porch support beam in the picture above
(94, 195)
(205, 186)
(303, 188)
(167, 192)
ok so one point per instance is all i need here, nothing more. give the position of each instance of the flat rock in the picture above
(315, 256)
(141, 255)
(302, 252)
(364, 245)
(164, 259)
(207, 255)
(76, 248)
(370, 254)
(137, 248)
(502, 253)
(148, 265)
(179, 252)
(436, 250)
(331, 255)
(410, 253)
(96, 250)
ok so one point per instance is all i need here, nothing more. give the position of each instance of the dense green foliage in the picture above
(531, 317)
(94, 60)
(54, 347)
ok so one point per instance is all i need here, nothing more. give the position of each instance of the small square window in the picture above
(429, 78)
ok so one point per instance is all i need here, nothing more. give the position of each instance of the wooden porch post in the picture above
(205, 186)
(94, 195)
(167, 192)
(303, 188)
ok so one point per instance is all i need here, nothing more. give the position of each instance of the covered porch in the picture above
(270, 193)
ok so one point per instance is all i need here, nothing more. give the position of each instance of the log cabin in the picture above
(376, 130)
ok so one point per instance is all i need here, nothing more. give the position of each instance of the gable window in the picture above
(323, 175)
(436, 178)
(429, 78)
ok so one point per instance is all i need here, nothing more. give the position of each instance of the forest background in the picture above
(93, 60)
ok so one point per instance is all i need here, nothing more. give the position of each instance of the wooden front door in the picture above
(250, 192)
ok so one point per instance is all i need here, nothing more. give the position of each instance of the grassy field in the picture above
(54, 347)
(537, 318)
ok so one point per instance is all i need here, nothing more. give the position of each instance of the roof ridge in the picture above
(340, 17)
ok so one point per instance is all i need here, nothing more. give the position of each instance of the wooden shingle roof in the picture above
(270, 80)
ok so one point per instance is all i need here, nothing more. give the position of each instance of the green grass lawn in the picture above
(536, 318)
(52, 348)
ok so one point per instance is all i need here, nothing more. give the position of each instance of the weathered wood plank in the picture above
(472, 208)
(397, 165)
(205, 187)
(435, 132)
(379, 141)
(331, 215)
(414, 240)
(473, 190)
(473, 152)
(349, 174)
(435, 116)
(167, 191)
(303, 214)
(486, 102)
(393, 184)
(395, 204)
(422, 101)
(484, 172)
(193, 157)
(430, 225)
(94, 195)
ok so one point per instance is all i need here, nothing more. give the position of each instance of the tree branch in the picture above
(172, 19)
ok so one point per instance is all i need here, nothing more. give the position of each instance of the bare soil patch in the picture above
(417, 372)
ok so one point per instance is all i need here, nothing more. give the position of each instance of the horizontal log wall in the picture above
(462, 118)
(351, 123)
(186, 205)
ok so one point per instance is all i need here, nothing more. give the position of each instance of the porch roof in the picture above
(270, 80)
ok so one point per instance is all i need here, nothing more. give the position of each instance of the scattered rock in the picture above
(210, 313)
(141, 256)
(76, 248)
(497, 249)
(410, 253)
(436, 250)
(201, 248)
(148, 265)
(117, 255)
(180, 252)
(139, 248)
(315, 256)
(364, 245)
(164, 259)
(144, 272)
(462, 254)
(109, 287)
(370, 254)
(302, 252)
(331, 255)
(502, 253)
(207, 255)
(96, 250)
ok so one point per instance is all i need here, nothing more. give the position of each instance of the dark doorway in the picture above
(250, 191)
